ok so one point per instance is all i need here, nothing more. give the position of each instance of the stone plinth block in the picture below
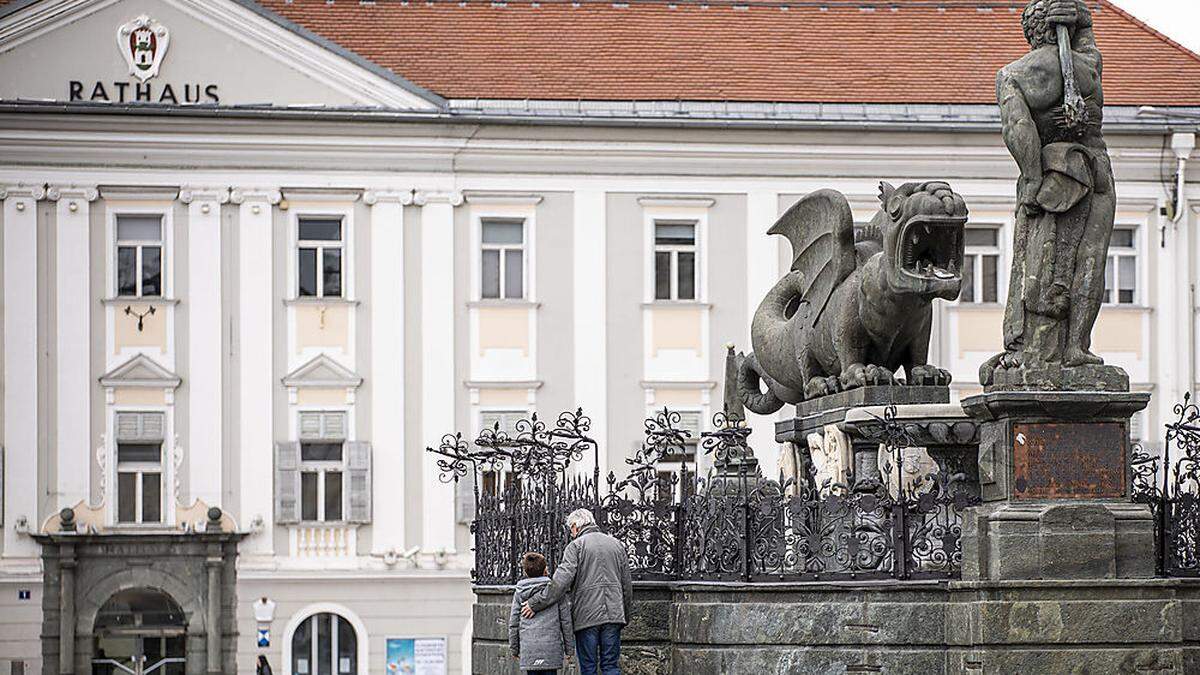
(1053, 469)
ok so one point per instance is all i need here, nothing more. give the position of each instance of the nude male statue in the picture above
(1066, 202)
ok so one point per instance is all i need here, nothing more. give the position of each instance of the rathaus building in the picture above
(257, 256)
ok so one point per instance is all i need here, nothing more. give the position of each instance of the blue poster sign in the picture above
(264, 637)
(416, 656)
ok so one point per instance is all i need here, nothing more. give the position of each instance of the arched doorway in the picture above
(140, 631)
(324, 644)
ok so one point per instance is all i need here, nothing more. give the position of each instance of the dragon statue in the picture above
(850, 314)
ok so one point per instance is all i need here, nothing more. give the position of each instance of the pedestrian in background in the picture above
(544, 642)
(595, 570)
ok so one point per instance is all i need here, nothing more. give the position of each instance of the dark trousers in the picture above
(542, 672)
(599, 649)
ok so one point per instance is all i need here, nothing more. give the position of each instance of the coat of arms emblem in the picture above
(143, 42)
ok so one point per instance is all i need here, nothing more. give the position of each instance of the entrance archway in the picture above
(140, 631)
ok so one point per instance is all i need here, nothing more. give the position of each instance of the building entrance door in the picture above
(140, 631)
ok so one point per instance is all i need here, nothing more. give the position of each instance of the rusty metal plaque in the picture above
(1069, 460)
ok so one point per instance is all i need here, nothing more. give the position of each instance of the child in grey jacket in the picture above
(545, 642)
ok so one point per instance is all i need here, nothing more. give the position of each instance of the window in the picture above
(322, 455)
(493, 482)
(139, 255)
(139, 467)
(1120, 274)
(502, 259)
(681, 458)
(325, 644)
(675, 269)
(981, 265)
(319, 262)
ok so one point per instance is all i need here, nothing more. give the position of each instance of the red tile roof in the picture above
(903, 51)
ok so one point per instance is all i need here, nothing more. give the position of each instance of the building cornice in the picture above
(88, 193)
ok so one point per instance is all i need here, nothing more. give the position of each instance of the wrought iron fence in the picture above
(731, 525)
(1170, 485)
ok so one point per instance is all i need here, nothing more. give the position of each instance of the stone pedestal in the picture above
(1054, 476)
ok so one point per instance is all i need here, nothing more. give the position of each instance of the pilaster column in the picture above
(66, 609)
(20, 366)
(590, 314)
(387, 364)
(254, 353)
(203, 307)
(72, 341)
(437, 359)
(213, 641)
(762, 272)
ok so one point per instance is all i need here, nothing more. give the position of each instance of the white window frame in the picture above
(518, 413)
(139, 469)
(516, 208)
(139, 245)
(320, 468)
(503, 249)
(1113, 257)
(168, 464)
(674, 250)
(166, 215)
(693, 442)
(679, 209)
(321, 245)
(293, 624)
(973, 255)
(305, 208)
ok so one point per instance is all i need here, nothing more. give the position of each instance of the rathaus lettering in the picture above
(143, 92)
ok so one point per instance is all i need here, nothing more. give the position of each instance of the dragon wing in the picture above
(820, 228)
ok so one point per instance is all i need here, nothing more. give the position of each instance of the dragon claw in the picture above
(878, 375)
(927, 375)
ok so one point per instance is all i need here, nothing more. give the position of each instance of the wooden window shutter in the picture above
(333, 426)
(358, 469)
(322, 426)
(138, 426)
(287, 482)
(310, 426)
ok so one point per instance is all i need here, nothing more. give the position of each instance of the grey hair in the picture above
(580, 518)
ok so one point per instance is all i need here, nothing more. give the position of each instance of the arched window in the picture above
(325, 644)
(140, 631)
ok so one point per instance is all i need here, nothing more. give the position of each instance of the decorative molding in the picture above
(19, 190)
(176, 467)
(140, 193)
(525, 199)
(203, 193)
(322, 371)
(662, 384)
(402, 197)
(136, 300)
(309, 300)
(330, 195)
(497, 302)
(87, 193)
(451, 197)
(676, 304)
(682, 201)
(507, 384)
(102, 461)
(239, 195)
(141, 371)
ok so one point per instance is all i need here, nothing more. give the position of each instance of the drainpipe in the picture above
(1182, 145)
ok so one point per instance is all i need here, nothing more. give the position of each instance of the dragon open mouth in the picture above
(931, 247)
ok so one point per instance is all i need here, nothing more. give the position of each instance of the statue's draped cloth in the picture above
(1047, 248)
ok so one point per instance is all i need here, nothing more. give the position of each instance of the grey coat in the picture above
(595, 569)
(542, 641)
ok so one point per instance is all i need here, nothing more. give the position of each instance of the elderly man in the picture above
(595, 569)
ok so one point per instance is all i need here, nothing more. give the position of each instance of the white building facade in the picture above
(271, 289)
